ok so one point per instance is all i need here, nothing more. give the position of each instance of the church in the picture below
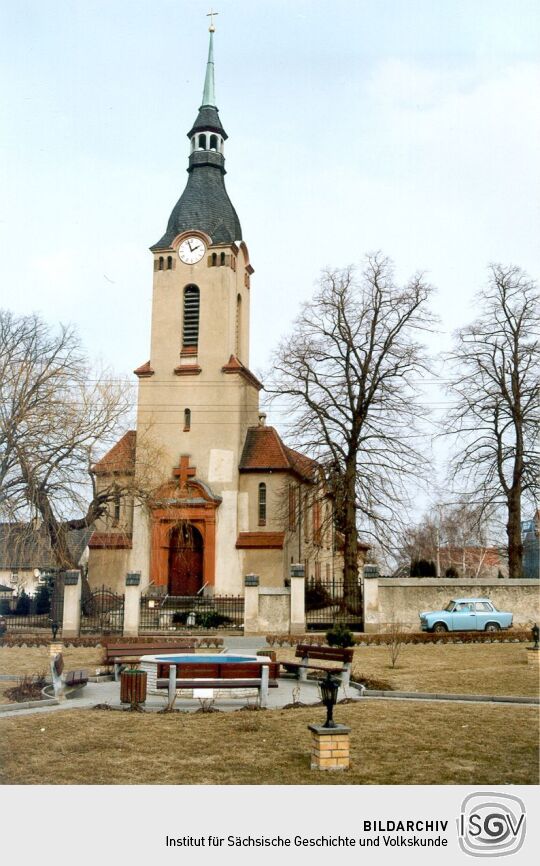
(207, 492)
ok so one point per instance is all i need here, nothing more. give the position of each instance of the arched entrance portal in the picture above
(185, 560)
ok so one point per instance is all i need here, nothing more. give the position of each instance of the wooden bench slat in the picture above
(163, 683)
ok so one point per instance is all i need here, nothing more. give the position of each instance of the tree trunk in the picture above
(513, 531)
(352, 596)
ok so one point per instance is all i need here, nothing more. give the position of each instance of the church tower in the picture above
(197, 397)
(207, 493)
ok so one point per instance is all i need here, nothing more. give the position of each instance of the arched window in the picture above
(187, 420)
(116, 508)
(214, 259)
(262, 504)
(238, 325)
(169, 263)
(190, 334)
(292, 508)
(222, 259)
(161, 263)
(213, 142)
(316, 522)
(202, 142)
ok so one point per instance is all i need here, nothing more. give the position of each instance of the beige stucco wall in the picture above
(108, 568)
(222, 406)
(268, 564)
(403, 599)
(274, 610)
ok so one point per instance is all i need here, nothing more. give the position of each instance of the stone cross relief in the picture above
(184, 472)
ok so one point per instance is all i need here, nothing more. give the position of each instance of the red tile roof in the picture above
(111, 541)
(264, 451)
(260, 540)
(144, 371)
(121, 457)
(233, 365)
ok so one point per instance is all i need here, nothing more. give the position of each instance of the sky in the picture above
(410, 127)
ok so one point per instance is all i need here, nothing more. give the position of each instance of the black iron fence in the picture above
(102, 612)
(25, 613)
(333, 602)
(186, 613)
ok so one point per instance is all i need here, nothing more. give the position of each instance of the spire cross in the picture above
(184, 471)
(211, 16)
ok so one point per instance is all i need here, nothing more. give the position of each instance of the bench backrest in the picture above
(218, 671)
(321, 653)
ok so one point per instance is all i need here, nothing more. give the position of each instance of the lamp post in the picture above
(329, 690)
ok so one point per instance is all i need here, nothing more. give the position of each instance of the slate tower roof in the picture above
(205, 204)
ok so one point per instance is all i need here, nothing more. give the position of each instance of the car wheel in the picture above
(492, 626)
(439, 627)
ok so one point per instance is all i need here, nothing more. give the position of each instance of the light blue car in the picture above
(466, 614)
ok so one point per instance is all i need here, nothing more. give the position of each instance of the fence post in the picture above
(132, 604)
(71, 623)
(172, 685)
(251, 604)
(298, 599)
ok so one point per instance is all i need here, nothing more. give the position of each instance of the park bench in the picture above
(76, 678)
(308, 654)
(122, 654)
(70, 680)
(251, 675)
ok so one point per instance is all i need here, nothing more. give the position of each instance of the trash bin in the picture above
(133, 687)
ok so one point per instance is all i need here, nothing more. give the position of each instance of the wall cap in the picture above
(468, 583)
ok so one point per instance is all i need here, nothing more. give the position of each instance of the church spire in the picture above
(209, 92)
(204, 204)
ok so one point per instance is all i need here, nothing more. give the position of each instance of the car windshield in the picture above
(449, 606)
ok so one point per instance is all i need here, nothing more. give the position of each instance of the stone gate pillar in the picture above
(132, 604)
(298, 600)
(251, 604)
(71, 622)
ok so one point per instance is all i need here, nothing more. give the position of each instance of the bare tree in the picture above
(347, 373)
(497, 413)
(55, 415)
(454, 536)
(396, 633)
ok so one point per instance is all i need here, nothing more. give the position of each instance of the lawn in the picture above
(391, 743)
(486, 669)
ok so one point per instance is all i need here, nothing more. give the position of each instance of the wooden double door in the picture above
(185, 560)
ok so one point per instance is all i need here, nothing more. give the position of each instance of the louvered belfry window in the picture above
(190, 336)
(262, 504)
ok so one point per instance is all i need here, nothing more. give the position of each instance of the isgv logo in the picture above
(491, 825)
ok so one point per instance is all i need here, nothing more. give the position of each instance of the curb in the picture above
(27, 705)
(433, 696)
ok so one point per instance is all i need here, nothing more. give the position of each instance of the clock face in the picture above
(191, 250)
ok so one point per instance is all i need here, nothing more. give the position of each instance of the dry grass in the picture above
(4, 687)
(391, 743)
(30, 660)
(484, 669)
